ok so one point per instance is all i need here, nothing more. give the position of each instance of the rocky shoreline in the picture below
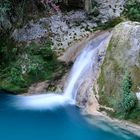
(121, 125)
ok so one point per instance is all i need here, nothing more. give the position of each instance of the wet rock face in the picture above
(123, 55)
(86, 97)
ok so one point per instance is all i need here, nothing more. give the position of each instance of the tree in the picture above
(132, 10)
(127, 100)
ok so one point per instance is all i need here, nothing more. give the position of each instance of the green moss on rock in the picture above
(122, 55)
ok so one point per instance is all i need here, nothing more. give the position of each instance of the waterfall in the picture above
(84, 63)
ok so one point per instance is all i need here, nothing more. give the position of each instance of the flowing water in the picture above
(55, 117)
(82, 65)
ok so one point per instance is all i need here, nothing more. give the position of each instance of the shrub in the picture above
(26, 64)
(127, 100)
(132, 10)
(15, 76)
(109, 24)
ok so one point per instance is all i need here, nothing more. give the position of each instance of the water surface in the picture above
(59, 123)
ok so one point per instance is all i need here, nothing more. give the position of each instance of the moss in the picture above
(109, 48)
(109, 24)
(104, 100)
(107, 81)
(108, 86)
(112, 70)
(116, 67)
(6, 85)
(101, 81)
(135, 72)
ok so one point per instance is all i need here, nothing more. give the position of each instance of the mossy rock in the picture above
(123, 55)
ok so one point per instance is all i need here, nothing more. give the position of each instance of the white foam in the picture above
(43, 101)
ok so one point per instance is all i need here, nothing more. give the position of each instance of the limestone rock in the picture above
(62, 29)
(38, 88)
(109, 9)
(31, 31)
(123, 54)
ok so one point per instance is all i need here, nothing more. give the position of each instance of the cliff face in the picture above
(109, 9)
(123, 54)
(103, 9)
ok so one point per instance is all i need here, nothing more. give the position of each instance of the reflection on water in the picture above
(62, 123)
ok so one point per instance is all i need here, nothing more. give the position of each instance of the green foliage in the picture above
(109, 24)
(38, 60)
(134, 114)
(27, 64)
(132, 10)
(127, 100)
(15, 76)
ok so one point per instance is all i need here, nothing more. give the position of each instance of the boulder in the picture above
(123, 55)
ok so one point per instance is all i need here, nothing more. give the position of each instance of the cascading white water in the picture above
(84, 63)
(81, 66)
